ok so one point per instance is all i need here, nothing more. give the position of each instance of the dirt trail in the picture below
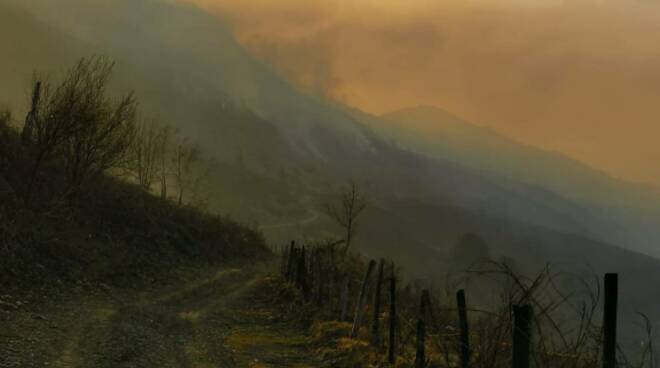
(220, 319)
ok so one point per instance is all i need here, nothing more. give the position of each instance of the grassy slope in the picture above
(113, 234)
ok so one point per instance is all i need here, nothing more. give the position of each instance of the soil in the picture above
(209, 318)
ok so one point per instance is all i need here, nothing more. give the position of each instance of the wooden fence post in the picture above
(284, 261)
(420, 354)
(392, 345)
(320, 278)
(302, 273)
(609, 320)
(311, 273)
(344, 299)
(522, 319)
(292, 261)
(375, 327)
(331, 279)
(362, 298)
(464, 332)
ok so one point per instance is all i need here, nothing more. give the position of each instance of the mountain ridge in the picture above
(319, 142)
(434, 122)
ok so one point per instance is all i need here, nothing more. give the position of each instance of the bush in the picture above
(75, 123)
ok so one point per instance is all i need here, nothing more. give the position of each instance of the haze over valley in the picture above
(278, 145)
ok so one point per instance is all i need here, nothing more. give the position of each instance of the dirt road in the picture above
(216, 318)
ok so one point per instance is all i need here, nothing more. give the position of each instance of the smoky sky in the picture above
(581, 77)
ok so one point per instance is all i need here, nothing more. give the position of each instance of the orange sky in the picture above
(578, 76)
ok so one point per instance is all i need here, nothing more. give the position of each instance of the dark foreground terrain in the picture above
(214, 317)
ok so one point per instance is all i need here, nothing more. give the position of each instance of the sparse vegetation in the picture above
(75, 123)
(186, 172)
(69, 213)
(101, 199)
(563, 330)
(146, 151)
(345, 213)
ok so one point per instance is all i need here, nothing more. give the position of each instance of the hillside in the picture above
(308, 131)
(617, 211)
(438, 133)
(277, 154)
(281, 142)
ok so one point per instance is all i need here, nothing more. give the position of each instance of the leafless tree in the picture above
(47, 126)
(30, 119)
(564, 325)
(163, 162)
(149, 151)
(346, 212)
(75, 122)
(186, 158)
(104, 128)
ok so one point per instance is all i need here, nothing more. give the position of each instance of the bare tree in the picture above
(30, 119)
(346, 213)
(104, 128)
(186, 158)
(75, 122)
(47, 126)
(162, 151)
(149, 151)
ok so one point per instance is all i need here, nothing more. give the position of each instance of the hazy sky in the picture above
(578, 76)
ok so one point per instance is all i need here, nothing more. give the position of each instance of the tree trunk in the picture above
(30, 119)
(464, 332)
(522, 318)
(288, 273)
(344, 299)
(349, 233)
(420, 354)
(375, 327)
(362, 299)
(392, 344)
(302, 274)
(163, 187)
(609, 320)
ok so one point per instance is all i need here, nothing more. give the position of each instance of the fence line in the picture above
(316, 272)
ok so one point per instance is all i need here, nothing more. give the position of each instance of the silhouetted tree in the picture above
(77, 123)
(163, 162)
(30, 119)
(186, 157)
(47, 126)
(148, 151)
(104, 128)
(346, 213)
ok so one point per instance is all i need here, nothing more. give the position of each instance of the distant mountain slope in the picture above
(187, 68)
(421, 238)
(28, 45)
(280, 153)
(614, 210)
(438, 133)
(184, 58)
